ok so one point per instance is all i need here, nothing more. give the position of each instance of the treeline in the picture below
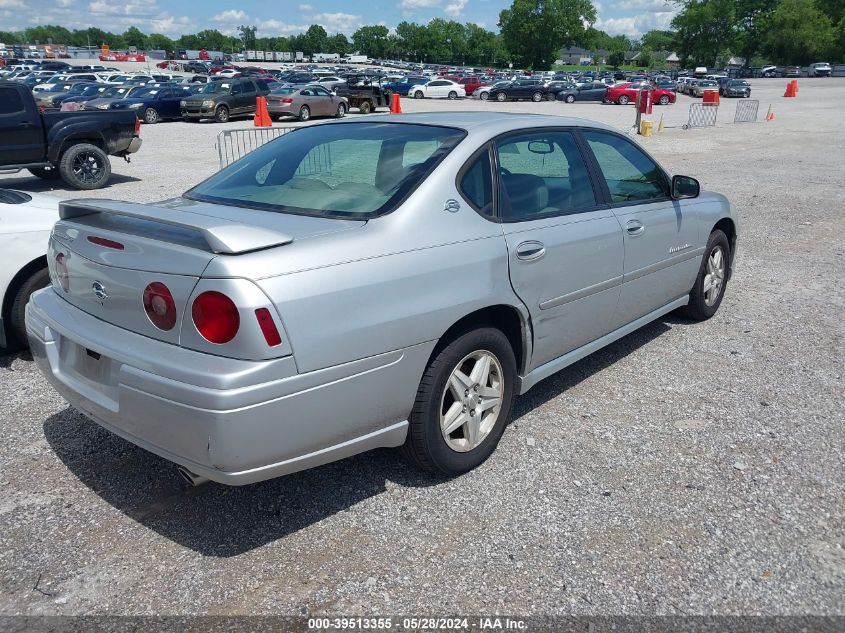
(532, 32)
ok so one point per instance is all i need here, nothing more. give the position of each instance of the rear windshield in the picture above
(347, 170)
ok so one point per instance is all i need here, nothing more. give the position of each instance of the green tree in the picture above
(704, 29)
(47, 33)
(752, 19)
(159, 42)
(371, 40)
(646, 57)
(11, 37)
(658, 40)
(798, 33)
(338, 44)
(247, 34)
(536, 29)
(212, 39)
(133, 37)
(316, 40)
(413, 40)
(616, 58)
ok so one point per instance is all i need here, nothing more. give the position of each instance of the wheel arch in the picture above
(513, 323)
(12, 289)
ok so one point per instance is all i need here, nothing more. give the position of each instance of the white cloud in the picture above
(637, 25)
(337, 22)
(456, 7)
(170, 25)
(11, 4)
(410, 5)
(231, 15)
(306, 7)
(64, 3)
(277, 27)
(641, 5)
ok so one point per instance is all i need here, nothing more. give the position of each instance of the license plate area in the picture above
(95, 372)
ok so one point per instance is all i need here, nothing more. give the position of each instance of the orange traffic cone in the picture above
(791, 89)
(262, 117)
(395, 107)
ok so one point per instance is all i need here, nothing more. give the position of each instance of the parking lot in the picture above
(686, 469)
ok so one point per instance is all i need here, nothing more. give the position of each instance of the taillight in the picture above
(287, 100)
(215, 317)
(62, 272)
(268, 327)
(107, 243)
(159, 306)
(137, 126)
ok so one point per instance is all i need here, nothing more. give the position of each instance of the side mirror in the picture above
(685, 187)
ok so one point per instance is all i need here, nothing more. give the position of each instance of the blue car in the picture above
(404, 85)
(156, 103)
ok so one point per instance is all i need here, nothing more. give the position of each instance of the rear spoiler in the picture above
(222, 236)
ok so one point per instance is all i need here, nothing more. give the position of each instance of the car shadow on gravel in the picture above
(32, 184)
(7, 358)
(222, 521)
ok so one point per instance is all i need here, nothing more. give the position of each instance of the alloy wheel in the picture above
(714, 277)
(87, 167)
(472, 401)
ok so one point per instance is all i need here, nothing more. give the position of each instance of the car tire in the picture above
(341, 111)
(151, 116)
(221, 114)
(304, 113)
(537, 97)
(44, 173)
(484, 96)
(365, 108)
(418, 94)
(85, 166)
(501, 97)
(469, 445)
(704, 300)
(570, 99)
(623, 100)
(17, 325)
(664, 100)
(452, 95)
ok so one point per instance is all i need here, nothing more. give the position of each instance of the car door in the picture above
(435, 89)
(324, 104)
(596, 92)
(21, 139)
(661, 235)
(565, 247)
(169, 99)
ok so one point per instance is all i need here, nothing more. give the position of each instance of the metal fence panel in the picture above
(702, 115)
(235, 144)
(746, 111)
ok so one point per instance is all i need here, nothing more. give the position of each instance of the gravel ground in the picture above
(686, 469)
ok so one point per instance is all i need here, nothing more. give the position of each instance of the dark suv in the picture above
(221, 100)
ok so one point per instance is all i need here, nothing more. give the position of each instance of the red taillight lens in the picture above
(159, 306)
(268, 327)
(216, 317)
(62, 272)
(137, 126)
(287, 100)
(102, 241)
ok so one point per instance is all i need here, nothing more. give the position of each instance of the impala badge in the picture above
(99, 291)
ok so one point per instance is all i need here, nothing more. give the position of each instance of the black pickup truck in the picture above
(73, 146)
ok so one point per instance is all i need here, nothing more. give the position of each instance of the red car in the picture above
(471, 84)
(627, 93)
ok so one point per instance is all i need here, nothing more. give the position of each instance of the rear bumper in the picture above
(232, 421)
(134, 146)
(198, 113)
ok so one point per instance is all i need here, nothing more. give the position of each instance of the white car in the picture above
(438, 88)
(820, 69)
(26, 220)
(227, 72)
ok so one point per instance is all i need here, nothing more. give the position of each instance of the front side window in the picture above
(630, 175)
(10, 101)
(542, 173)
(349, 170)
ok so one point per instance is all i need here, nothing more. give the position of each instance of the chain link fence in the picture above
(235, 144)
(701, 115)
(746, 111)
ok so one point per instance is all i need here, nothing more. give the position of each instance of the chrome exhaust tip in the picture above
(192, 478)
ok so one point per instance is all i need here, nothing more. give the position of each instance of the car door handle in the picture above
(25, 124)
(531, 250)
(634, 227)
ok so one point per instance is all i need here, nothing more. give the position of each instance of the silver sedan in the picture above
(306, 102)
(394, 281)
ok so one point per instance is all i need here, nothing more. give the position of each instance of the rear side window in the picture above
(477, 184)
(10, 101)
(630, 175)
(248, 86)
